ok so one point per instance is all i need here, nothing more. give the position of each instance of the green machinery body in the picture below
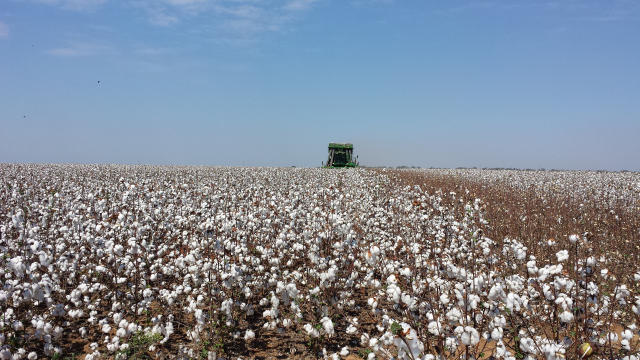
(341, 156)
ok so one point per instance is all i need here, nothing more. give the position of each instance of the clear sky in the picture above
(513, 83)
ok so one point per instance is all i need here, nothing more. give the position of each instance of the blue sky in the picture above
(527, 84)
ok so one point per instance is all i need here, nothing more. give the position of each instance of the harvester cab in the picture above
(340, 156)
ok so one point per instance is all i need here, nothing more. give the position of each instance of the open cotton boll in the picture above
(17, 325)
(249, 335)
(566, 316)
(627, 336)
(409, 346)
(327, 325)
(372, 255)
(528, 345)
(444, 299)
(497, 333)
(434, 328)
(562, 255)
(454, 315)
(468, 335)
(5, 354)
(394, 293)
(311, 331)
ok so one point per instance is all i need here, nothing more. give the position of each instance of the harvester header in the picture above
(341, 155)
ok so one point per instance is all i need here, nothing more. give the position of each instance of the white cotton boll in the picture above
(327, 324)
(454, 315)
(566, 316)
(574, 238)
(121, 333)
(106, 328)
(562, 255)
(468, 335)
(344, 351)
(83, 332)
(552, 351)
(394, 293)
(32, 355)
(292, 291)
(434, 328)
(444, 299)
(147, 293)
(5, 354)
(311, 331)
(364, 339)
(409, 301)
(528, 345)
(512, 302)
(76, 313)
(621, 292)
(131, 328)
(248, 335)
(372, 255)
(351, 330)
(497, 333)
(412, 346)
(626, 336)
(58, 310)
(47, 328)
(387, 338)
(168, 330)
(496, 292)
(57, 332)
(624, 343)
(373, 303)
(17, 325)
(473, 301)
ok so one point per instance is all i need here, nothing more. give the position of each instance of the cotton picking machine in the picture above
(341, 156)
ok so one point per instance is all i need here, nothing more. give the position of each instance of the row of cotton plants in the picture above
(607, 188)
(195, 262)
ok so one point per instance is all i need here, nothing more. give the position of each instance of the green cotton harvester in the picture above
(341, 156)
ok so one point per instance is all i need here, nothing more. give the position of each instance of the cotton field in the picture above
(102, 262)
